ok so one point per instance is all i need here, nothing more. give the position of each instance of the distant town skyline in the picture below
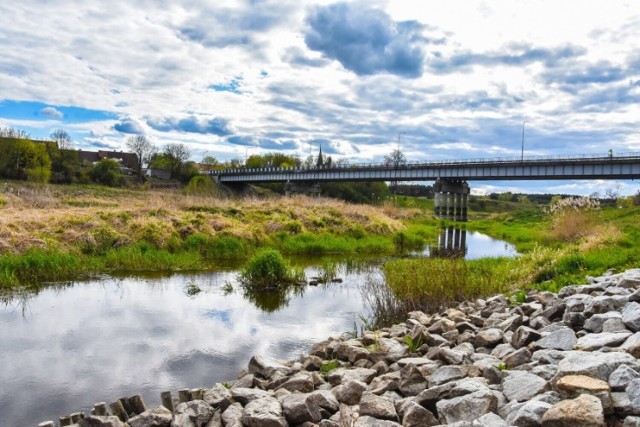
(438, 79)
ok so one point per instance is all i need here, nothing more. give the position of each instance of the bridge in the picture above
(451, 188)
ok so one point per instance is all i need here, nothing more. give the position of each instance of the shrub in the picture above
(106, 172)
(268, 269)
(201, 186)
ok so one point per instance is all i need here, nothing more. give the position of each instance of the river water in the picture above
(72, 345)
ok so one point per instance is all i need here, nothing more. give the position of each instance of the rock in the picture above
(489, 420)
(621, 377)
(102, 421)
(197, 411)
(631, 316)
(523, 336)
(633, 391)
(299, 408)
(594, 364)
(417, 416)
(367, 421)
(561, 339)
(263, 367)
(631, 421)
(466, 408)
(632, 345)
(584, 411)
(450, 357)
(412, 381)
(488, 337)
(342, 375)
(263, 412)
(572, 385)
(429, 397)
(614, 324)
(378, 407)
(528, 414)
(468, 386)
(350, 392)
(246, 395)
(218, 396)
(592, 342)
(517, 358)
(441, 326)
(158, 417)
(301, 382)
(325, 400)
(446, 374)
(596, 322)
(521, 386)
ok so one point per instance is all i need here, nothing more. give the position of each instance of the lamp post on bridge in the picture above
(522, 153)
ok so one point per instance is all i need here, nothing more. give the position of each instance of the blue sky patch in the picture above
(33, 110)
(233, 86)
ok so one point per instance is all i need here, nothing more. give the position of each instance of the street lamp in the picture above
(522, 154)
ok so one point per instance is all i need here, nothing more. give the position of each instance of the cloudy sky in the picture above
(444, 79)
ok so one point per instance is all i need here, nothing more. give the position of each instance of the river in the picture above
(72, 345)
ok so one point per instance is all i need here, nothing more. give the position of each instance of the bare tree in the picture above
(62, 138)
(143, 148)
(395, 160)
(177, 155)
(9, 132)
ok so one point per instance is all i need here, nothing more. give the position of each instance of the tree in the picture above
(106, 172)
(395, 159)
(210, 163)
(143, 148)
(62, 138)
(9, 132)
(177, 155)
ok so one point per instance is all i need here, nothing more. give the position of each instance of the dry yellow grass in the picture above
(68, 217)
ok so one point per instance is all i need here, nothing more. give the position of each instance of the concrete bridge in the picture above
(450, 176)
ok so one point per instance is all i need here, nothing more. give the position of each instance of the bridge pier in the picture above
(307, 188)
(451, 199)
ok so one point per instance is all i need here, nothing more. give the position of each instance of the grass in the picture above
(84, 230)
(268, 269)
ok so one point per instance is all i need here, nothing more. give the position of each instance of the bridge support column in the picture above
(451, 199)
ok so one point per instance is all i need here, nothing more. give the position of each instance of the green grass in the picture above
(326, 243)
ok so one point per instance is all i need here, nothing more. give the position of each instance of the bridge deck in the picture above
(625, 166)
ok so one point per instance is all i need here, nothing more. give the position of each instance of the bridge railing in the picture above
(434, 163)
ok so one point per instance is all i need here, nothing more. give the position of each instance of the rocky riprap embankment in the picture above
(555, 360)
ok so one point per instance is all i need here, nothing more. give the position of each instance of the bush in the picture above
(201, 186)
(268, 269)
(106, 172)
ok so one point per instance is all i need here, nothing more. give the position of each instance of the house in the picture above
(128, 160)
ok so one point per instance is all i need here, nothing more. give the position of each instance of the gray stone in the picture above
(528, 414)
(367, 421)
(551, 357)
(594, 364)
(264, 412)
(350, 392)
(603, 304)
(412, 381)
(430, 396)
(502, 350)
(351, 350)
(517, 358)
(632, 421)
(441, 326)
(521, 386)
(584, 411)
(468, 386)
(264, 367)
(633, 391)
(158, 417)
(632, 345)
(591, 342)
(101, 421)
(218, 396)
(232, 416)
(561, 339)
(545, 371)
(445, 374)
(342, 375)
(197, 411)
(417, 416)
(523, 336)
(631, 316)
(467, 408)
(621, 403)
(379, 407)
(489, 420)
(246, 395)
(451, 357)
(488, 337)
(301, 382)
(596, 322)
(299, 408)
(614, 325)
(326, 400)
(621, 377)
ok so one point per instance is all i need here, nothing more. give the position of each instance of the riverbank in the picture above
(53, 233)
(567, 359)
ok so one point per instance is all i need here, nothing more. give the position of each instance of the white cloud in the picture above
(564, 69)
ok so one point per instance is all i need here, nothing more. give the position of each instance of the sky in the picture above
(440, 79)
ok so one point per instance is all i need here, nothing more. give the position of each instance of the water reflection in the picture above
(459, 243)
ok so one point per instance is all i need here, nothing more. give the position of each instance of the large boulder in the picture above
(584, 411)
(299, 408)
(521, 385)
(594, 364)
(560, 339)
(263, 412)
(197, 412)
(466, 408)
(379, 407)
(158, 417)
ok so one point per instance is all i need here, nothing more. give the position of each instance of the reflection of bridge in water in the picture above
(451, 187)
(452, 243)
